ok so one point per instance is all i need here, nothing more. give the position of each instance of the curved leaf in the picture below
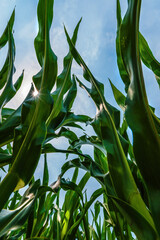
(148, 58)
(71, 203)
(142, 228)
(119, 97)
(4, 38)
(120, 63)
(8, 126)
(43, 49)
(31, 134)
(105, 128)
(146, 141)
(5, 159)
(64, 82)
(9, 89)
(12, 219)
(71, 233)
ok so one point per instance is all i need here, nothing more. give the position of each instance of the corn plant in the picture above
(38, 214)
(132, 191)
(129, 185)
(32, 125)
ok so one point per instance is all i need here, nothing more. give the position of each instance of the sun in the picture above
(35, 93)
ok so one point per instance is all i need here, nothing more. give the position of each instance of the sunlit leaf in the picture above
(146, 142)
(14, 219)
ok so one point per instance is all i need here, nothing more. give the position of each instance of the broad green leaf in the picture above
(138, 223)
(6, 112)
(75, 175)
(71, 203)
(5, 159)
(146, 142)
(68, 119)
(94, 169)
(64, 83)
(71, 95)
(4, 38)
(106, 130)
(49, 148)
(64, 80)
(93, 141)
(9, 89)
(11, 219)
(16, 86)
(68, 185)
(43, 48)
(119, 97)
(121, 66)
(18, 83)
(31, 134)
(101, 159)
(7, 127)
(41, 211)
(73, 229)
(148, 58)
(4, 72)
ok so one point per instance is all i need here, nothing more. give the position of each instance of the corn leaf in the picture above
(31, 134)
(122, 71)
(41, 211)
(43, 47)
(64, 83)
(16, 218)
(119, 97)
(71, 203)
(146, 142)
(9, 89)
(106, 130)
(4, 38)
(148, 58)
(5, 159)
(142, 228)
(71, 233)
(12, 121)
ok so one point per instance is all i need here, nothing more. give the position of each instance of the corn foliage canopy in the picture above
(128, 172)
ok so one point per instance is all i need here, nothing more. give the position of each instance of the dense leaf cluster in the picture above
(128, 173)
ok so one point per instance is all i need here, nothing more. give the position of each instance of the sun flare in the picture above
(35, 93)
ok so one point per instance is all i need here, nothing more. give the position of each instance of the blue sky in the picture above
(96, 44)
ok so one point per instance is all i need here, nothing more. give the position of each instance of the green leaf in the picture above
(49, 148)
(93, 141)
(73, 229)
(105, 128)
(5, 159)
(71, 203)
(7, 127)
(16, 218)
(120, 62)
(6, 112)
(44, 53)
(9, 89)
(146, 142)
(68, 185)
(148, 58)
(4, 38)
(101, 159)
(94, 169)
(142, 228)
(119, 97)
(16, 86)
(64, 83)
(65, 119)
(31, 134)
